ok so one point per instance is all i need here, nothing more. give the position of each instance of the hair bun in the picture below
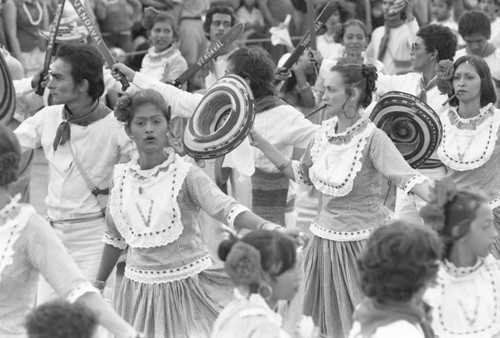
(122, 108)
(369, 72)
(225, 247)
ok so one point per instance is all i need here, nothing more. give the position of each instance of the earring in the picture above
(350, 108)
(265, 291)
(131, 137)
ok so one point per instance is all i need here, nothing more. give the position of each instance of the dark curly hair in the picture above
(127, 104)
(61, 319)
(10, 155)
(459, 212)
(338, 34)
(474, 22)
(214, 10)
(439, 38)
(487, 90)
(86, 64)
(255, 64)
(277, 250)
(399, 259)
(362, 77)
(152, 16)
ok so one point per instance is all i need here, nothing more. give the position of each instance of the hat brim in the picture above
(410, 123)
(67, 39)
(222, 119)
(7, 94)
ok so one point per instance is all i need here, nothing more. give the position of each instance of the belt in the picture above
(431, 164)
(76, 220)
(191, 18)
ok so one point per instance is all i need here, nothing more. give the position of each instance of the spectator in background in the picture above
(23, 19)
(116, 18)
(61, 319)
(252, 17)
(442, 13)
(391, 44)
(327, 46)
(492, 8)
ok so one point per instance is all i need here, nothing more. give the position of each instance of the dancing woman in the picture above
(344, 161)
(170, 288)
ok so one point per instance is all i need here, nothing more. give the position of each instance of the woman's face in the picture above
(286, 285)
(467, 83)
(148, 129)
(354, 40)
(482, 233)
(335, 95)
(161, 35)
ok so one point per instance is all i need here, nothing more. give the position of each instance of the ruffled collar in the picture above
(455, 271)
(473, 122)
(159, 56)
(346, 136)
(140, 175)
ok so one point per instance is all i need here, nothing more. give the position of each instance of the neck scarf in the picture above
(63, 134)
(372, 315)
(425, 87)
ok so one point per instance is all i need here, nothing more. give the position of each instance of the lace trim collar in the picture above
(337, 158)
(455, 271)
(15, 218)
(141, 175)
(155, 57)
(468, 143)
(145, 211)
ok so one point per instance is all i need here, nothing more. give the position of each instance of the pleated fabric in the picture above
(179, 309)
(332, 284)
(496, 220)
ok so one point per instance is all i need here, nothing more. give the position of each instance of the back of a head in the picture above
(399, 259)
(439, 38)
(61, 319)
(86, 64)
(474, 22)
(10, 154)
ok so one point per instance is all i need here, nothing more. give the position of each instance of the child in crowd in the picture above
(397, 265)
(442, 13)
(252, 17)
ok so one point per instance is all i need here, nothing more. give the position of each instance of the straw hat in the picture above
(68, 32)
(222, 119)
(411, 124)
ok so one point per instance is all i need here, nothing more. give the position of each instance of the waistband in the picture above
(90, 218)
(191, 18)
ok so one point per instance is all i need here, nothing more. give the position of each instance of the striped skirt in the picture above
(332, 284)
(186, 308)
(269, 193)
(496, 220)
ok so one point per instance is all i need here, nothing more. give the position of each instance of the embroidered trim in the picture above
(80, 290)
(332, 150)
(11, 230)
(143, 175)
(340, 236)
(413, 181)
(298, 175)
(455, 271)
(116, 242)
(157, 235)
(480, 131)
(235, 211)
(169, 275)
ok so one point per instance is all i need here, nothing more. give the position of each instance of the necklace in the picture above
(470, 319)
(147, 221)
(460, 153)
(30, 18)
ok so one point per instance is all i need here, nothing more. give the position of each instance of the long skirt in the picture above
(332, 284)
(496, 220)
(186, 308)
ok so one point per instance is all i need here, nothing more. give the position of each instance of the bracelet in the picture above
(99, 285)
(285, 164)
(270, 226)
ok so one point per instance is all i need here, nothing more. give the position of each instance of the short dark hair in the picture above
(10, 155)
(61, 319)
(487, 91)
(474, 22)
(277, 250)
(255, 64)
(439, 38)
(217, 9)
(399, 259)
(86, 64)
(362, 77)
(152, 16)
(127, 104)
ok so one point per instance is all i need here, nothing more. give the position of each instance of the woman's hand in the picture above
(124, 70)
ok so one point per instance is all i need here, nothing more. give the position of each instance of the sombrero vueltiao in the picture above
(7, 94)
(68, 32)
(410, 123)
(222, 119)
